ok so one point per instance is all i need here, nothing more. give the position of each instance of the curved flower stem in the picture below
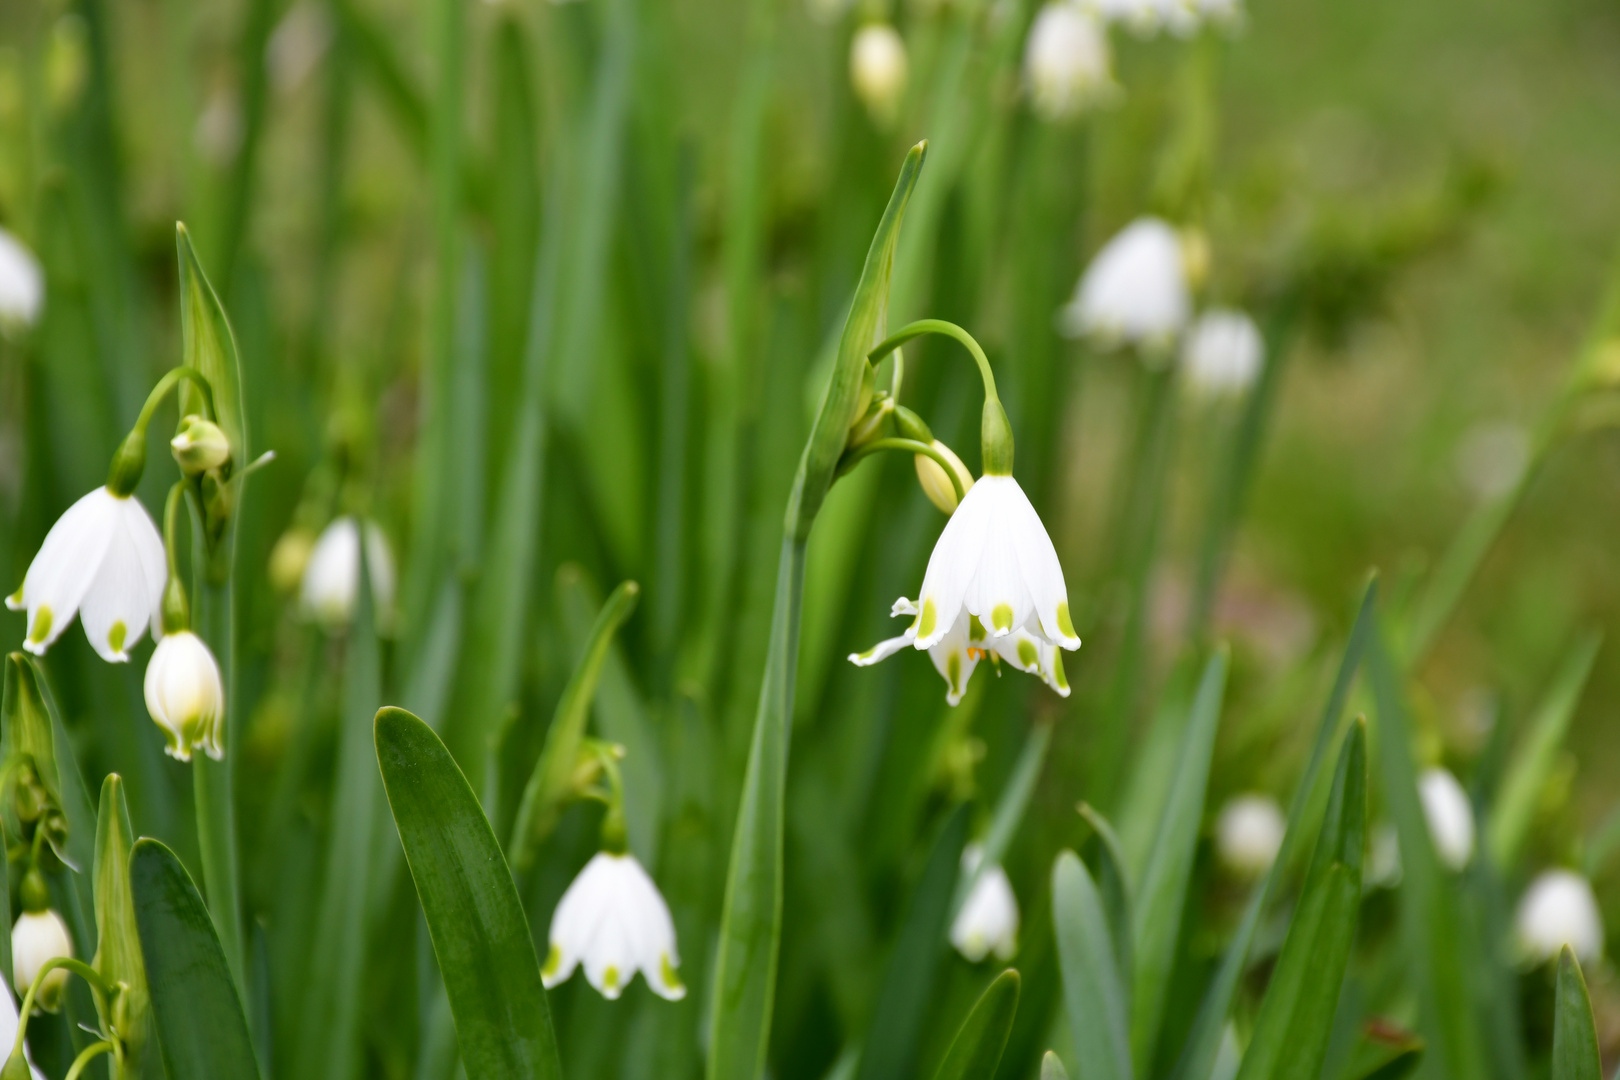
(910, 446)
(176, 613)
(98, 987)
(995, 434)
(615, 837)
(89, 1054)
(168, 382)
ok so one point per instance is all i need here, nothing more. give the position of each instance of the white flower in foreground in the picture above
(1135, 291)
(1450, 816)
(185, 695)
(332, 574)
(1559, 909)
(877, 68)
(103, 561)
(1249, 833)
(38, 938)
(957, 653)
(613, 920)
(22, 283)
(1066, 61)
(1222, 354)
(988, 920)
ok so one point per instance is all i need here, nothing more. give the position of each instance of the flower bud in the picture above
(38, 938)
(1450, 816)
(936, 483)
(185, 695)
(877, 69)
(199, 446)
(289, 557)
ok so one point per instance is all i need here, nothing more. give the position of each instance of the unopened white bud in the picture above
(936, 483)
(1450, 816)
(877, 69)
(1249, 833)
(38, 938)
(199, 445)
(1559, 909)
(186, 697)
(1067, 64)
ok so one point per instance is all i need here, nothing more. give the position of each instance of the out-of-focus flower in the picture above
(1067, 64)
(1222, 354)
(957, 653)
(988, 920)
(218, 134)
(332, 573)
(1559, 909)
(1148, 17)
(289, 557)
(297, 44)
(1491, 458)
(38, 938)
(1249, 833)
(22, 284)
(877, 69)
(1450, 816)
(827, 12)
(102, 560)
(1227, 14)
(614, 921)
(936, 483)
(1135, 292)
(67, 62)
(186, 696)
(1383, 858)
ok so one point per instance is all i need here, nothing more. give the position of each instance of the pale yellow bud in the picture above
(289, 557)
(1195, 256)
(936, 483)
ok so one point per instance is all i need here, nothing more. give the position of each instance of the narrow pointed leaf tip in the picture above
(977, 1048)
(1575, 1053)
(209, 344)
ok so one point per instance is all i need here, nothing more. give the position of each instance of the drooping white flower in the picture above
(613, 920)
(1559, 909)
(103, 561)
(1148, 17)
(988, 920)
(37, 938)
(1135, 291)
(1067, 64)
(1222, 353)
(1249, 833)
(1450, 816)
(22, 284)
(877, 68)
(957, 653)
(9, 1022)
(186, 696)
(332, 574)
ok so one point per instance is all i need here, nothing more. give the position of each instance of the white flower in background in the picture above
(1249, 833)
(1559, 909)
(218, 134)
(38, 938)
(186, 696)
(988, 920)
(1383, 858)
(1223, 13)
(877, 69)
(332, 573)
(1135, 291)
(1491, 458)
(103, 561)
(1147, 17)
(22, 284)
(957, 653)
(613, 920)
(9, 1022)
(297, 44)
(1067, 65)
(1450, 816)
(1222, 354)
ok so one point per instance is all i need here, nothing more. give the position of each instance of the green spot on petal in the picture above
(925, 624)
(666, 971)
(953, 672)
(975, 629)
(610, 978)
(1001, 617)
(42, 624)
(115, 636)
(1065, 624)
(1027, 654)
(553, 961)
(1060, 680)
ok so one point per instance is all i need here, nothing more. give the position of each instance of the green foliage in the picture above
(976, 1050)
(1575, 1052)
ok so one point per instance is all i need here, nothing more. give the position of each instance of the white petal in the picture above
(988, 919)
(1043, 573)
(67, 563)
(999, 593)
(955, 660)
(883, 649)
(953, 564)
(656, 953)
(22, 282)
(1135, 290)
(123, 593)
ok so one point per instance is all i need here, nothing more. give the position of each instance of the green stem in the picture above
(995, 433)
(909, 446)
(213, 783)
(176, 614)
(98, 987)
(89, 1054)
(129, 461)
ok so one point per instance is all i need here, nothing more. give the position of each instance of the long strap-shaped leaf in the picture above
(1093, 989)
(195, 1007)
(1575, 1047)
(976, 1050)
(480, 934)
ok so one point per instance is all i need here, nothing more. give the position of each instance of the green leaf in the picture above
(1514, 808)
(976, 1050)
(1093, 989)
(1295, 1022)
(475, 919)
(29, 728)
(1163, 892)
(208, 344)
(195, 1008)
(118, 952)
(1114, 885)
(1052, 1067)
(1382, 1053)
(552, 782)
(1009, 811)
(1575, 1054)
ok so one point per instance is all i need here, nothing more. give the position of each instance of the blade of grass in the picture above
(976, 1050)
(1114, 886)
(1093, 987)
(1575, 1053)
(1008, 813)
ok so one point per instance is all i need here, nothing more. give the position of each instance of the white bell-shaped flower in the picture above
(613, 920)
(1249, 833)
(1559, 909)
(1450, 816)
(1145, 18)
(1383, 869)
(1222, 354)
(22, 284)
(988, 921)
(186, 696)
(1136, 291)
(103, 561)
(37, 938)
(332, 573)
(957, 653)
(1067, 64)
(877, 69)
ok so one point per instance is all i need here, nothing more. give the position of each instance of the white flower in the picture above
(185, 695)
(1135, 291)
(102, 560)
(22, 283)
(877, 68)
(989, 918)
(332, 574)
(1147, 17)
(1066, 61)
(1450, 816)
(38, 938)
(1249, 833)
(957, 653)
(613, 920)
(1559, 909)
(1222, 354)
(217, 135)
